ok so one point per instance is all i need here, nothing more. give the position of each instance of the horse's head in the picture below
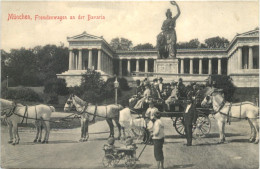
(207, 101)
(6, 106)
(69, 103)
(214, 98)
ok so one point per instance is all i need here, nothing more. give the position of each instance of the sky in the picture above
(139, 22)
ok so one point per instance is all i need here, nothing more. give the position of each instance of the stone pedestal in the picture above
(167, 66)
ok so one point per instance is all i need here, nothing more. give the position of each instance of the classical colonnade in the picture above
(191, 68)
(96, 59)
(137, 66)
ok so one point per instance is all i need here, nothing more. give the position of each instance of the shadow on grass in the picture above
(216, 135)
(121, 165)
(180, 166)
(174, 136)
(50, 142)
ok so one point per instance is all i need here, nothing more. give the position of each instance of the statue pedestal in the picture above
(167, 66)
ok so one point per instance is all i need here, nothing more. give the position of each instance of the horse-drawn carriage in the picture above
(203, 124)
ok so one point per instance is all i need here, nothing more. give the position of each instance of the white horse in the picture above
(39, 115)
(226, 111)
(109, 112)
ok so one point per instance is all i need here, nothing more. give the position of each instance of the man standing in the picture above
(189, 114)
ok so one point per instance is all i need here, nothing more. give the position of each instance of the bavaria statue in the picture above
(166, 40)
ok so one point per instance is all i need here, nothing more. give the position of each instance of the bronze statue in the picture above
(166, 40)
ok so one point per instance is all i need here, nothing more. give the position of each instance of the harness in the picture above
(25, 115)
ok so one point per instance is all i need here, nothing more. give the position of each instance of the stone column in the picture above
(76, 62)
(73, 61)
(99, 60)
(250, 60)
(137, 65)
(191, 66)
(200, 66)
(80, 59)
(210, 66)
(146, 65)
(239, 57)
(154, 65)
(219, 66)
(120, 67)
(70, 59)
(182, 66)
(90, 59)
(128, 67)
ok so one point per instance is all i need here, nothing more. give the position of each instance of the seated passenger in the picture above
(155, 94)
(174, 95)
(181, 89)
(146, 95)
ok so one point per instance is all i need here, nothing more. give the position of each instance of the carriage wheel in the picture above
(130, 161)
(203, 125)
(179, 125)
(109, 160)
(138, 134)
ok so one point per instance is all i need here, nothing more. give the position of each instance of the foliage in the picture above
(57, 86)
(52, 98)
(123, 84)
(91, 88)
(223, 82)
(194, 43)
(31, 67)
(23, 94)
(121, 44)
(144, 46)
(216, 42)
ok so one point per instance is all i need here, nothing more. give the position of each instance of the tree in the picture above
(91, 88)
(121, 44)
(143, 46)
(194, 43)
(216, 42)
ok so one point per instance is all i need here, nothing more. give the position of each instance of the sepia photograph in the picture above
(129, 84)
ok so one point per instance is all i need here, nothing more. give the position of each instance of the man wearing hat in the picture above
(161, 87)
(190, 115)
(174, 95)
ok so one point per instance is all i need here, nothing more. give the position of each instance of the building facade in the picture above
(240, 60)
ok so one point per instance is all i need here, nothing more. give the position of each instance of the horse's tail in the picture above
(52, 108)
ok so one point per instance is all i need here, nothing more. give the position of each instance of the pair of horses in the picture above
(38, 115)
(41, 114)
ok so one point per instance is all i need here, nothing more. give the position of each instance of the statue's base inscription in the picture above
(167, 66)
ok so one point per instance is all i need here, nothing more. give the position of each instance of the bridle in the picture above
(10, 113)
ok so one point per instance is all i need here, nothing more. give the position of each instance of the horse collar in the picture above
(11, 112)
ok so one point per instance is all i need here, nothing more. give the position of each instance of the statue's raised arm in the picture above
(178, 9)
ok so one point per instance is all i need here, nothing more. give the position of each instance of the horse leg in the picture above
(86, 131)
(10, 128)
(45, 127)
(82, 124)
(220, 126)
(256, 127)
(36, 123)
(47, 124)
(18, 137)
(14, 133)
(111, 127)
(40, 129)
(252, 135)
(223, 129)
(119, 128)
